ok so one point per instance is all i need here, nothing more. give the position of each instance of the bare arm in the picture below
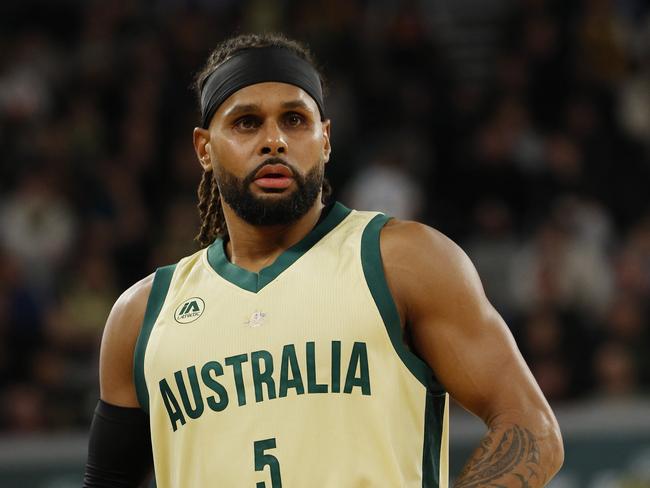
(119, 445)
(118, 344)
(464, 340)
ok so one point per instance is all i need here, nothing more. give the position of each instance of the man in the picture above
(305, 344)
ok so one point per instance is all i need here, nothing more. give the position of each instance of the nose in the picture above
(273, 141)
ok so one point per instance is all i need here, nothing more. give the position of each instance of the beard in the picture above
(262, 211)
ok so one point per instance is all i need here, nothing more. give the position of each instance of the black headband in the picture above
(258, 65)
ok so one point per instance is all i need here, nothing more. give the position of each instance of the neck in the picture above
(254, 247)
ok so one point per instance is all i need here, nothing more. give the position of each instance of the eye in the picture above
(247, 122)
(294, 119)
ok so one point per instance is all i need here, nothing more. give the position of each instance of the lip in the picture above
(274, 169)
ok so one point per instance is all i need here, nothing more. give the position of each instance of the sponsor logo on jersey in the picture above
(190, 310)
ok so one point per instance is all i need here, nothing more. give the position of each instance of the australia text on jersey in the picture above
(262, 371)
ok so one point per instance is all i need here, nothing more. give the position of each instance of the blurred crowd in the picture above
(521, 129)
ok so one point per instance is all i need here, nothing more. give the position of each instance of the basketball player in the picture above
(306, 344)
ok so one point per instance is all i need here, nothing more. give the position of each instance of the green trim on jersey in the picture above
(254, 282)
(434, 417)
(159, 289)
(373, 269)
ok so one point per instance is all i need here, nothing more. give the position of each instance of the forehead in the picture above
(268, 95)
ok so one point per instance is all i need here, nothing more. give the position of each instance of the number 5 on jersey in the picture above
(262, 459)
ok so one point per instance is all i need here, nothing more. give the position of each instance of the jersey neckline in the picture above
(254, 282)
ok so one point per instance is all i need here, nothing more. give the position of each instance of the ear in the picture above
(201, 139)
(327, 148)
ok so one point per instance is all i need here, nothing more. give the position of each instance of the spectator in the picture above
(520, 129)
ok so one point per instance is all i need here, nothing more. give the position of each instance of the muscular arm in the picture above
(456, 330)
(118, 344)
(119, 448)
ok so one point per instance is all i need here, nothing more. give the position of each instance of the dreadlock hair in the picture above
(213, 223)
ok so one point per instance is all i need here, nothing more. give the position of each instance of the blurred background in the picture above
(520, 128)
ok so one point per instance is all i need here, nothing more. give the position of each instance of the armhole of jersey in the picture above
(435, 450)
(373, 269)
(159, 289)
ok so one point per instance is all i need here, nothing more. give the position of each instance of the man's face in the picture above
(267, 147)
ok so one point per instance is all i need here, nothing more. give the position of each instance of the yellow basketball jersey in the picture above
(292, 377)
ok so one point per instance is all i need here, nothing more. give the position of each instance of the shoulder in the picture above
(425, 269)
(421, 248)
(129, 309)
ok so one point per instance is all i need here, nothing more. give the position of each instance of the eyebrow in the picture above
(296, 104)
(242, 109)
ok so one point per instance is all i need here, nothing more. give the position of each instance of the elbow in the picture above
(546, 440)
(558, 448)
(554, 447)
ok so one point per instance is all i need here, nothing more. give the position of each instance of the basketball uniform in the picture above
(292, 377)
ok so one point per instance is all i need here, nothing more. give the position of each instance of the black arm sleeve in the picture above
(119, 449)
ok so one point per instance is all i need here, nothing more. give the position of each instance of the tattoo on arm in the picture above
(507, 456)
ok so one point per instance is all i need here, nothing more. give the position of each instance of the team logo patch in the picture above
(190, 310)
